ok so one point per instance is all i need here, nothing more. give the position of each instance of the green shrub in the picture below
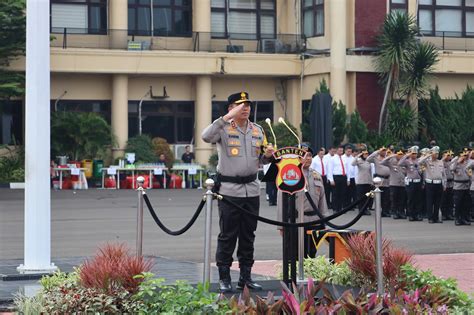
(161, 146)
(142, 146)
(180, 298)
(12, 165)
(284, 137)
(339, 122)
(321, 268)
(415, 279)
(401, 124)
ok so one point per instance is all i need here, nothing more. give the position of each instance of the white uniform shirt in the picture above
(337, 166)
(320, 165)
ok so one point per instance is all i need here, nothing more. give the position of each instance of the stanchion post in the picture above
(140, 182)
(301, 237)
(207, 231)
(378, 234)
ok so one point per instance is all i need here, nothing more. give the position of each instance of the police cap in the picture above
(238, 98)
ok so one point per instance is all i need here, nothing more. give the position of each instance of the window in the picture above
(169, 17)
(11, 122)
(244, 19)
(451, 18)
(102, 108)
(173, 121)
(399, 5)
(79, 16)
(313, 18)
(264, 110)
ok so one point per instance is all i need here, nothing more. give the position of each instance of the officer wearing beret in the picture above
(435, 183)
(240, 145)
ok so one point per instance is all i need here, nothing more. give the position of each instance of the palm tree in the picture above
(396, 41)
(415, 80)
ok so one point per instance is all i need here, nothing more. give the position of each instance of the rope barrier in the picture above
(303, 224)
(335, 226)
(163, 227)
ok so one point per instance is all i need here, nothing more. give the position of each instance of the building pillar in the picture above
(120, 113)
(202, 23)
(294, 107)
(337, 18)
(118, 23)
(203, 117)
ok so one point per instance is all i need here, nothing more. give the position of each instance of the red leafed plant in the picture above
(112, 268)
(363, 261)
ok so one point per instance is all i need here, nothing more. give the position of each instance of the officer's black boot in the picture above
(224, 279)
(246, 280)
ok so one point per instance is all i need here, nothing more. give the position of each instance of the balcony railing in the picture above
(197, 41)
(449, 40)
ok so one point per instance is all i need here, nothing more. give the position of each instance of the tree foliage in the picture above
(339, 122)
(284, 138)
(400, 124)
(357, 131)
(12, 38)
(449, 121)
(79, 135)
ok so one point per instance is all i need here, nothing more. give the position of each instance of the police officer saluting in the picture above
(239, 147)
(435, 184)
(413, 184)
(459, 166)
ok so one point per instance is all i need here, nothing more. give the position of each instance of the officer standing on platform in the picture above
(413, 185)
(397, 183)
(447, 205)
(459, 166)
(239, 147)
(382, 172)
(435, 184)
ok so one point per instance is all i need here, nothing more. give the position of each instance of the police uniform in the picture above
(461, 190)
(435, 184)
(240, 155)
(364, 176)
(424, 214)
(470, 172)
(413, 184)
(447, 205)
(382, 172)
(397, 184)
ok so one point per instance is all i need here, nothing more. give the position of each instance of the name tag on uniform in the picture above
(234, 143)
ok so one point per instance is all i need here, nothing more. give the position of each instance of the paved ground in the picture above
(82, 220)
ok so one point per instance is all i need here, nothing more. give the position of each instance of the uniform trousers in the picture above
(461, 204)
(385, 200)
(339, 192)
(237, 225)
(327, 190)
(362, 189)
(447, 203)
(414, 200)
(397, 198)
(472, 204)
(352, 192)
(434, 193)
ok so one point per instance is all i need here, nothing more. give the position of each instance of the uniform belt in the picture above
(237, 179)
(450, 180)
(433, 181)
(381, 176)
(462, 181)
(414, 180)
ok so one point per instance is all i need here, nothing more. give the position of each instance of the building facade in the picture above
(180, 59)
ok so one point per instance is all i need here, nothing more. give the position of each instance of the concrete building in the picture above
(107, 54)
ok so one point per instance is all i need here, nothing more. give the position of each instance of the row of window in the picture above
(171, 120)
(453, 18)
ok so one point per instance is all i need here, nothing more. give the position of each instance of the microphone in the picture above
(269, 123)
(281, 120)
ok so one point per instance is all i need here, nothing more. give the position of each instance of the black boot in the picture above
(246, 280)
(224, 279)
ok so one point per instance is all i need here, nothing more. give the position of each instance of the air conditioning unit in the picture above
(179, 149)
(271, 46)
(235, 49)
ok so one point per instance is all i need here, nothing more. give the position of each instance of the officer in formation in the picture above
(447, 197)
(461, 166)
(315, 187)
(364, 173)
(240, 144)
(382, 172)
(397, 184)
(411, 165)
